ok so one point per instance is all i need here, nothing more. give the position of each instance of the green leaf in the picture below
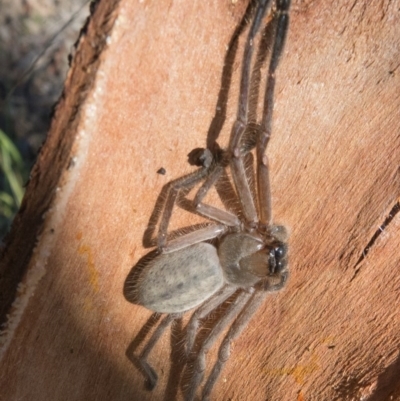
(12, 166)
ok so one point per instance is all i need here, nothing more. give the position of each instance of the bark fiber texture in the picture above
(141, 94)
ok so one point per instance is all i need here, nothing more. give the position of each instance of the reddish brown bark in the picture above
(141, 94)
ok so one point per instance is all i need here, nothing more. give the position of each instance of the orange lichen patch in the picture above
(93, 274)
(298, 372)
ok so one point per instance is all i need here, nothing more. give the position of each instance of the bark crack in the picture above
(395, 209)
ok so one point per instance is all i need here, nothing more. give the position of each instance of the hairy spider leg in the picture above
(239, 127)
(200, 364)
(213, 171)
(210, 174)
(236, 329)
(209, 211)
(149, 372)
(203, 311)
(241, 322)
(194, 237)
(188, 181)
(281, 20)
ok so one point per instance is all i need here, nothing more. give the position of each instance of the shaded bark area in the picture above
(148, 84)
(55, 156)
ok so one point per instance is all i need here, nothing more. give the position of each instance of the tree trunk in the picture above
(148, 83)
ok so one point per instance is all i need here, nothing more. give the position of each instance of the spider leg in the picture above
(209, 211)
(211, 174)
(189, 181)
(200, 364)
(237, 327)
(278, 286)
(201, 235)
(149, 372)
(281, 20)
(239, 127)
(203, 311)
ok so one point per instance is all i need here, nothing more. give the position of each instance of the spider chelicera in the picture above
(247, 256)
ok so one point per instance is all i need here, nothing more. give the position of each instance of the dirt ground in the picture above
(36, 37)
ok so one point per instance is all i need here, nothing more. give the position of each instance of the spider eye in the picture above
(277, 258)
(280, 252)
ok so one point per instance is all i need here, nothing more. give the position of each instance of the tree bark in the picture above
(149, 83)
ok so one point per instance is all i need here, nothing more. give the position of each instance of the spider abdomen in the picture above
(181, 280)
